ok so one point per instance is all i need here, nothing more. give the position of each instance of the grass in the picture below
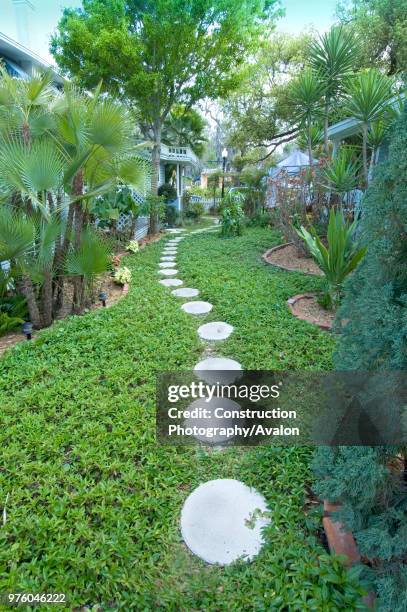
(93, 504)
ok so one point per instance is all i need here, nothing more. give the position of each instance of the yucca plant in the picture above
(333, 57)
(305, 98)
(339, 258)
(369, 99)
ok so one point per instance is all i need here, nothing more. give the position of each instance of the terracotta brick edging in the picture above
(291, 302)
(342, 542)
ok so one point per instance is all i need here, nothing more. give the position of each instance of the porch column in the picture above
(179, 192)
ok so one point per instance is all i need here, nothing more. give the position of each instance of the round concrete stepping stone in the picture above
(197, 308)
(210, 421)
(221, 521)
(171, 272)
(168, 258)
(218, 369)
(185, 292)
(166, 264)
(171, 282)
(216, 330)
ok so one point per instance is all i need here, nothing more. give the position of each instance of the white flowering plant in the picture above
(122, 276)
(133, 246)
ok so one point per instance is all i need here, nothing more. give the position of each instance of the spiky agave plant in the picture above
(339, 258)
(341, 174)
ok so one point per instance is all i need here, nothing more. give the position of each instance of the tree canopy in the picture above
(381, 29)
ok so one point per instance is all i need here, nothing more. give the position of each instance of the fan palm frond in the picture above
(31, 168)
(17, 234)
(110, 126)
(91, 258)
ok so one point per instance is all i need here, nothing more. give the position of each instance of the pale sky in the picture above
(299, 15)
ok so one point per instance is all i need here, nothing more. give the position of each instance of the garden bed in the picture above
(285, 257)
(103, 283)
(305, 306)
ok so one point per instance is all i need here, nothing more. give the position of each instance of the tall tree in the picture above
(333, 56)
(158, 53)
(258, 115)
(380, 27)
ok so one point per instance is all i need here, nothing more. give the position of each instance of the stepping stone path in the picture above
(215, 331)
(218, 369)
(197, 308)
(222, 521)
(171, 272)
(186, 292)
(166, 264)
(210, 420)
(217, 363)
(171, 282)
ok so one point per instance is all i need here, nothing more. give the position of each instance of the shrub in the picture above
(168, 192)
(339, 258)
(194, 211)
(122, 276)
(232, 215)
(261, 219)
(133, 246)
(369, 482)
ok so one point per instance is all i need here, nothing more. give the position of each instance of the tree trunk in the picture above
(365, 164)
(155, 161)
(46, 296)
(29, 294)
(78, 282)
(311, 159)
(326, 125)
(59, 258)
(133, 227)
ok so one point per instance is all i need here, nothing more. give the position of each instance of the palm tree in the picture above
(333, 56)
(369, 97)
(57, 153)
(305, 98)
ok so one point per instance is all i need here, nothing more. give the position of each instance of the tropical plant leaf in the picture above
(91, 258)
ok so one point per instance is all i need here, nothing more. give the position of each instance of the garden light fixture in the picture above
(224, 158)
(27, 329)
(103, 298)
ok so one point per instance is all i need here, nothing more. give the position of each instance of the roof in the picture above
(20, 57)
(350, 125)
(296, 159)
(292, 164)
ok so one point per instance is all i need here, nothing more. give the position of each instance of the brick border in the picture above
(279, 267)
(291, 302)
(342, 542)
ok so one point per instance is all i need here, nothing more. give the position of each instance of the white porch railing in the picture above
(179, 154)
